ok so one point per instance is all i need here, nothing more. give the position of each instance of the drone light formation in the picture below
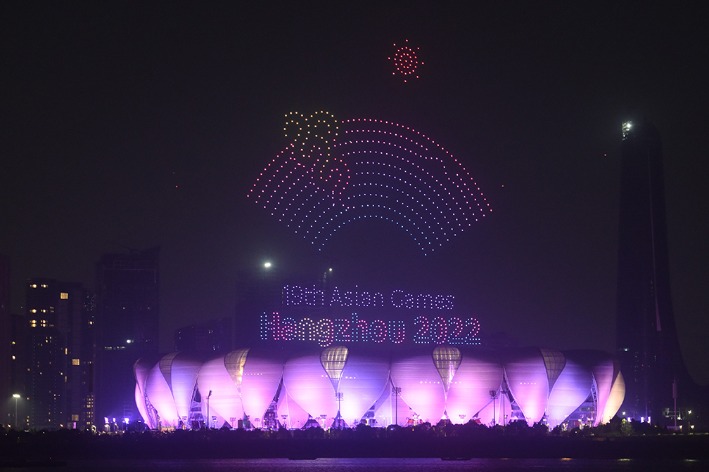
(379, 170)
(312, 139)
(406, 61)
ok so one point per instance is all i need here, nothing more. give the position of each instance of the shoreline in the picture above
(304, 445)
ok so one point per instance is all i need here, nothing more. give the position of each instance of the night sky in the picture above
(139, 124)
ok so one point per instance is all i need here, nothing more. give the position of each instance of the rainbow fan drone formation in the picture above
(337, 172)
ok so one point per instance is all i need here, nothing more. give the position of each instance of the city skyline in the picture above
(133, 126)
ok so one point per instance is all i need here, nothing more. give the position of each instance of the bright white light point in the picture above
(267, 265)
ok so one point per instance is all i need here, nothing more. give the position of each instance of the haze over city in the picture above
(133, 125)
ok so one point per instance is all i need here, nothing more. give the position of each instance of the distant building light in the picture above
(626, 127)
(64, 296)
(76, 362)
(129, 341)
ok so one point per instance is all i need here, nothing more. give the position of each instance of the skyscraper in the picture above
(127, 322)
(647, 343)
(208, 337)
(59, 355)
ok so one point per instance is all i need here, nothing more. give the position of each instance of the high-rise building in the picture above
(58, 356)
(127, 316)
(648, 348)
(5, 340)
(209, 337)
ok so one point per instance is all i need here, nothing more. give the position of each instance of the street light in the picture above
(503, 393)
(339, 395)
(208, 397)
(396, 391)
(16, 396)
(493, 394)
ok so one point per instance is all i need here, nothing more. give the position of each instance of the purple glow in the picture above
(469, 391)
(421, 387)
(417, 388)
(572, 388)
(259, 382)
(141, 369)
(528, 383)
(364, 380)
(225, 401)
(308, 384)
(158, 390)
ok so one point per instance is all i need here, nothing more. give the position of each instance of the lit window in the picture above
(64, 296)
(75, 362)
(44, 285)
(33, 310)
(33, 285)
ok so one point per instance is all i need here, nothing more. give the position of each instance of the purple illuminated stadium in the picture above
(344, 387)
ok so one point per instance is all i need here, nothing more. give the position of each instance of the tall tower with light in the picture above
(127, 319)
(647, 343)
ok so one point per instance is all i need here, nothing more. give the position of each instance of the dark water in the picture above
(374, 465)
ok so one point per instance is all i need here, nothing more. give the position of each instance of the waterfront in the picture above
(381, 464)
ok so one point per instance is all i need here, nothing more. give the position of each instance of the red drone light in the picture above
(406, 61)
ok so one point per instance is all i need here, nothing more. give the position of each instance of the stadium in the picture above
(343, 387)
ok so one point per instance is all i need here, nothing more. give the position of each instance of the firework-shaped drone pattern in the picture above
(337, 172)
(406, 61)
